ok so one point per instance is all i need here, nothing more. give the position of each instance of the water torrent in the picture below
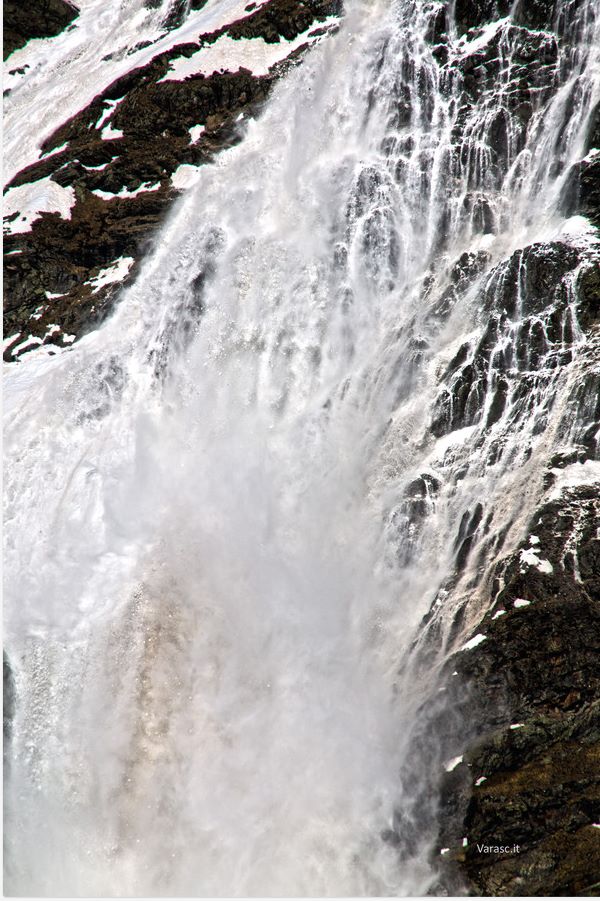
(323, 407)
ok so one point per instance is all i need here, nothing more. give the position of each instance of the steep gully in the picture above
(312, 604)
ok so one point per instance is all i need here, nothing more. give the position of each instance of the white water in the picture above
(211, 578)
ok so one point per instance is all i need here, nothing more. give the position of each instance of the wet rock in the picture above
(518, 815)
(9, 698)
(473, 13)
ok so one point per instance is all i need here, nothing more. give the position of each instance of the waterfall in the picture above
(318, 415)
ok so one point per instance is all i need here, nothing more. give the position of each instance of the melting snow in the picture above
(195, 133)
(48, 153)
(97, 168)
(521, 602)
(33, 199)
(228, 54)
(109, 109)
(452, 764)
(444, 850)
(498, 613)
(517, 725)
(481, 780)
(116, 272)
(473, 642)
(110, 134)
(125, 192)
(530, 558)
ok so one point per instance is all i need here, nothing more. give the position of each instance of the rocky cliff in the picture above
(121, 161)
(511, 799)
(519, 736)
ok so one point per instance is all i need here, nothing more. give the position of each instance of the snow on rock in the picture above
(110, 106)
(116, 272)
(452, 764)
(481, 780)
(97, 168)
(54, 151)
(111, 134)
(229, 54)
(530, 558)
(65, 73)
(521, 602)
(517, 725)
(473, 642)
(498, 614)
(196, 132)
(33, 199)
(125, 193)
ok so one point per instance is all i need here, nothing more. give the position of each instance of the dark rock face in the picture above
(530, 773)
(8, 698)
(40, 19)
(527, 302)
(59, 256)
(518, 814)
(473, 13)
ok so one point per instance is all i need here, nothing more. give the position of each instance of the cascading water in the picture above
(228, 509)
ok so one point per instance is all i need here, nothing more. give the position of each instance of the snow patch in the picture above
(33, 199)
(521, 602)
(452, 764)
(111, 134)
(195, 133)
(517, 725)
(116, 272)
(230, 55)
(530, 558)
(109, 109)
(481, 780)
(48, 153)
(498, 613)
(125, 192)
(473, 642)
(97, 168)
